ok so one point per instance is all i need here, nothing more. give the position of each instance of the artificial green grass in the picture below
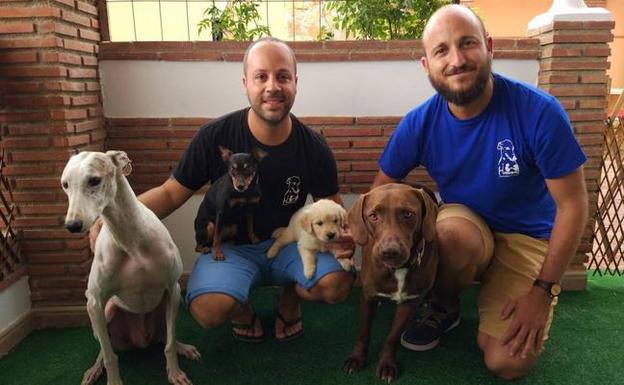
(585, 347)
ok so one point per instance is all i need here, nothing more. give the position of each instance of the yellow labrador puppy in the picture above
(312, 226)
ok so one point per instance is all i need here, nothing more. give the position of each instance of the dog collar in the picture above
(417, 259)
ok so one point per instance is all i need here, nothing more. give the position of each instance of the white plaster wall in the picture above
(14, 304)
(211, 89)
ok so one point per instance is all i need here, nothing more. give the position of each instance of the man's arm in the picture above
(531, 311)
(382, 178)
(166, 198)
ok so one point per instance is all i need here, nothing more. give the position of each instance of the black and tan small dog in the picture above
(229, 202)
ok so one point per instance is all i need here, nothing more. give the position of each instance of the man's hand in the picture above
(525, 334)
(344, 246)
(94, 231)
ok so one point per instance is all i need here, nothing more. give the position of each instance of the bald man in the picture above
(509, 171)
(298, 163)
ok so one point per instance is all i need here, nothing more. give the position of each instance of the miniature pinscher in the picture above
(229, 202)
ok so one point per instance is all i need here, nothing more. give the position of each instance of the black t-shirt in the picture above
(302, 165)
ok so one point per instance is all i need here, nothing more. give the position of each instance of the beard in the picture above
(271, 117)
(467, 96)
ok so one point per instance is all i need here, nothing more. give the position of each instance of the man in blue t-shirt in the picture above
(509, 171)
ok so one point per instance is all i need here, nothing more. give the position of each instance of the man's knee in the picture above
(461, 247)
(212, 310)
(335, 287)
(498, 361)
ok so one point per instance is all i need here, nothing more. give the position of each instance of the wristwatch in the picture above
(552, 288)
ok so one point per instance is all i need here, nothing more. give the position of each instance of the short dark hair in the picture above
(269, 39)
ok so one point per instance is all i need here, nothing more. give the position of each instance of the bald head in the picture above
(268, 40)
(446, 16)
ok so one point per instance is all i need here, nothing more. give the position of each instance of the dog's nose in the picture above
(74, 226)
(331, 235)
(391, 253)
(241, 187)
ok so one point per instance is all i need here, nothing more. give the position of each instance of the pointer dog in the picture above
(133, 293)
(395, 224)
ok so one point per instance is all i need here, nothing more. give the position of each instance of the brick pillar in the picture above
(50, 105)
(573, 67)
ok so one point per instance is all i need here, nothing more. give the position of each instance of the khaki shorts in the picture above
(510, 265)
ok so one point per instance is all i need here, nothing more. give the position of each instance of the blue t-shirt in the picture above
(496, 162)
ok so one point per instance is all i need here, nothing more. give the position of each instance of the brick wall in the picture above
(50, 97)
(573, 68)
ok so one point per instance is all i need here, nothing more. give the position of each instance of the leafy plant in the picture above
(383, 19)
(233, 22)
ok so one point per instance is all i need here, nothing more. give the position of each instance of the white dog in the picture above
(312, 226)
(133, 285)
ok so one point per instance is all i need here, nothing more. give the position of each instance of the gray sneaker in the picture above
(425, 329)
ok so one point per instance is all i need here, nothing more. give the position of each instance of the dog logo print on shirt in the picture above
(292, 193)
(507, 161)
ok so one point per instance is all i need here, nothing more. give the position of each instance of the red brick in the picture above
(138, 122)
(357, 155)
(43, 209)
(194, 122)
(17, 28)
(46, 270)
(84, 100)
(365, 166)
(576, 116)
(49, 245)
(89, 35)
(338, 143)
(597, 51)
(92, 86)
(82, 73)
(377, 120)
(30, 222)
(558, 78)
(70, 141)
(75, 45)
(89, 61)
(68, 114)
(58, 283)
(34, 71)
(39, 129)
(327, 120)
(27, 197)
(20, 86)
(36, 101)
(178, 144)
(593, 103)
(66, 2)
(577, 64)
(18, 57)
(370, 143)
(38, 42)
(351, 131)
(61, 29)
(76, 18)
(95, 112)
(19, 170)
(574, 90)
(594, 78)
(95, 24)
(23, 116)
(138, 144)
(61, 57)
(359, 178)
(23, 156)
(18, 143)
(65, 86)
(28, 12)
(88, 125)
(86, 7)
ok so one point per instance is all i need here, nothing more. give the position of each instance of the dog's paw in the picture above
(188, 351)
(178, 377)
(218, 255)
(387, 370)
(346, 263)
(273, 250)
(93, 373)
(308, 271)
(277, 232)
(354, 364)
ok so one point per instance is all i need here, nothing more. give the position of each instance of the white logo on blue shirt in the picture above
(292, 193)
(507, 161)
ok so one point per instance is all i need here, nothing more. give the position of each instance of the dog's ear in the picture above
(225, 153)
(430, 215)
(305, 221)
(121, 161)
(357, 225)
(258, 154)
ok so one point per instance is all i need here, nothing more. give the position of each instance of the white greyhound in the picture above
(135, 270)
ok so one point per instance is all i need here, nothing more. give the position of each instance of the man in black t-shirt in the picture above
(299, 163)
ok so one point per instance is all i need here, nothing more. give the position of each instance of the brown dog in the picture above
(395, 224)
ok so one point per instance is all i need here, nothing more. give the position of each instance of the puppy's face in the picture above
(394, 218)
(89, 182)
(324, 220)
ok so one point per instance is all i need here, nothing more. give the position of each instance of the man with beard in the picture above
(298, 163)
(509, 171)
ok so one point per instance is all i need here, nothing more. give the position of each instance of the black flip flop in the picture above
(247, 326)
(288, 324)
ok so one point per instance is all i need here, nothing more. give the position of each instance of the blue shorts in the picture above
(247, 266)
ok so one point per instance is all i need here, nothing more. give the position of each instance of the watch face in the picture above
(555, 289)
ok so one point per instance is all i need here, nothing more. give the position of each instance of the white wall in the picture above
(14, 304)
(151, 89)
(211, 89)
